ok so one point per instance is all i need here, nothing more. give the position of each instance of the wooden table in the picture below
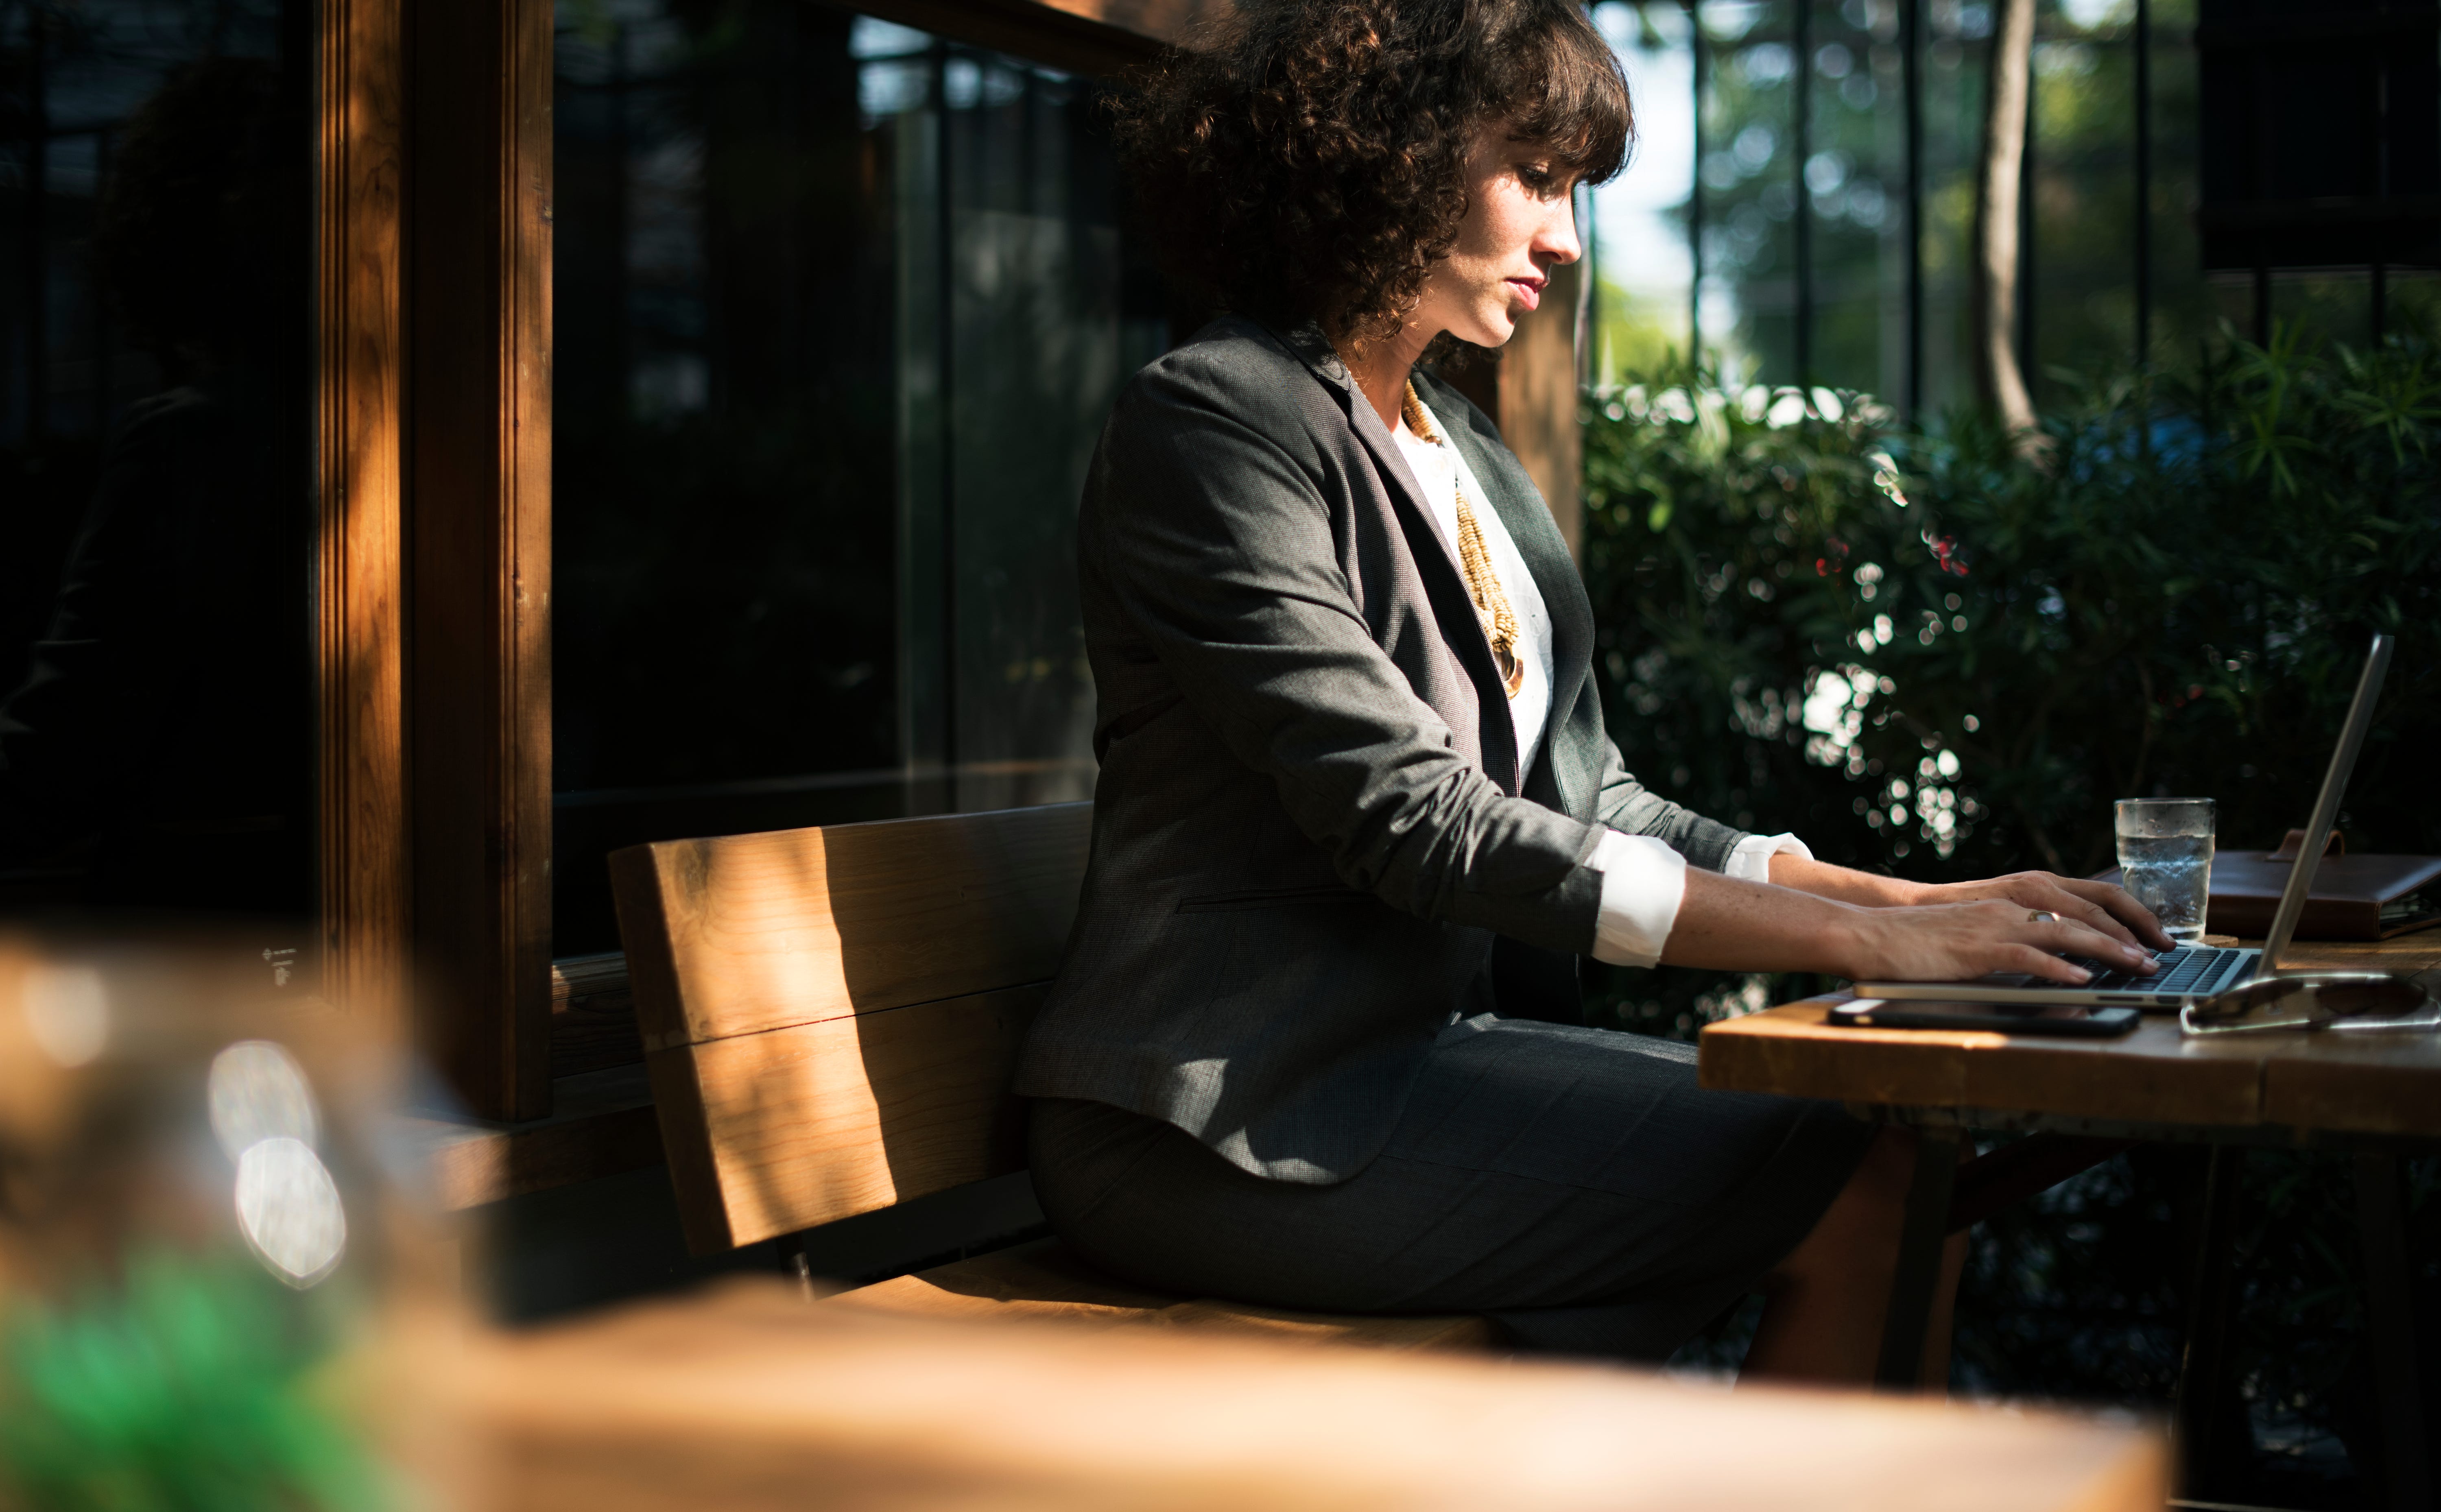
(749, 1398)
(2377, 1094)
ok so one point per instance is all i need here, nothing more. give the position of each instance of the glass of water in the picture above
(2165, 853)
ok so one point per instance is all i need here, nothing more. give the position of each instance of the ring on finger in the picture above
(2041, 916)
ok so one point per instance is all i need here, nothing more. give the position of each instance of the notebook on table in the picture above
(2355, 897)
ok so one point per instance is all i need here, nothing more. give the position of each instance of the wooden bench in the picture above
(830, 1020)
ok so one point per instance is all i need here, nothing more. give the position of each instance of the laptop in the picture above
(2190, 973)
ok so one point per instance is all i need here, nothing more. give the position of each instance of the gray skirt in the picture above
(1573, 1183)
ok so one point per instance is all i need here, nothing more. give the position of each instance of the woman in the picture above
(1357, 815)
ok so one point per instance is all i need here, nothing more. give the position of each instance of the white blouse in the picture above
(1643, 880)
(1443, 473)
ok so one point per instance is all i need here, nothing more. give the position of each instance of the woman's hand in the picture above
(1756, 927)
(1956, 941)
(2098, 906)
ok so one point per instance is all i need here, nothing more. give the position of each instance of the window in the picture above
(157, 462)
(840, 309)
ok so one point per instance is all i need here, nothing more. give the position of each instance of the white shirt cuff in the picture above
(1752, 860)
(1643, 883)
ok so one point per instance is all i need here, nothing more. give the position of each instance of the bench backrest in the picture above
(830, 1017)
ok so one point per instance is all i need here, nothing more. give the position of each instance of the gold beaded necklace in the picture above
(1474, 559)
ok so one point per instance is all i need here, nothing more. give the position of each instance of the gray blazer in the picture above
(1311, 844)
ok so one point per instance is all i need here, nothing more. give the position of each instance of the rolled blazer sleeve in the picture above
(1221, 548)
(1631, 808)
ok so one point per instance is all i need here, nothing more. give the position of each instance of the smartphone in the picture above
(2003, 1017)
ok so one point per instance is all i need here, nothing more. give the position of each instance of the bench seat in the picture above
(831, 1021)
(1044, 1279)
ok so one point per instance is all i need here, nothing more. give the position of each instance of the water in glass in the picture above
(2165, 853)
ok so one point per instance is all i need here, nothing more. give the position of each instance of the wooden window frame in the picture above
(359, 213)
(433, 531)
(478, 545)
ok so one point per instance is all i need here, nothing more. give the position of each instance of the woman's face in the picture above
(1519, 225)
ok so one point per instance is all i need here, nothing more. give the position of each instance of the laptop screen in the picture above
(2326, 807)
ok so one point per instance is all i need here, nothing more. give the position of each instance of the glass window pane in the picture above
(1043, 337)
(156, 730)
(841, 306)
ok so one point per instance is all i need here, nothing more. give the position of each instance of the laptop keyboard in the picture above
(2198, 969)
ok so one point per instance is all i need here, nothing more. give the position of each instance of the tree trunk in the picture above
(2000, 382)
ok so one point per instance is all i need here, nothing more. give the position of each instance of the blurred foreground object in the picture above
(210, 1260)
(749, 1398)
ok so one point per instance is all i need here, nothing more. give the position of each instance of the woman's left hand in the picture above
(2097, 904)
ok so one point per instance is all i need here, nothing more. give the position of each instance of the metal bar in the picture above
(38, 252)
(797, 1264)
(945, 235)
(2380, 291)
(2390, 1331)
(1908, 1319)
(621, 215)
(98, 302)
(1029, 132)
(1695, 194)
(2413, 211)
(1911, 73)
(1804, 143)
(2258, 178)
(2196, 1405)
(2143, 181)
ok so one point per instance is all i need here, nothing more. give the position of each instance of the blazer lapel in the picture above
(1436, 556)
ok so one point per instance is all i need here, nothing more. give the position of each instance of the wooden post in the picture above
(1537, 409)
(364, 851)
(481, 510)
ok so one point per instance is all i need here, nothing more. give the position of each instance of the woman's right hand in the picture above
(1956, 941)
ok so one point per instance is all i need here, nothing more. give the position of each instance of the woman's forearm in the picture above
(1842, 883)
(1737, 925)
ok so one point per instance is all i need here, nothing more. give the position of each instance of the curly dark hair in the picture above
(1307, 160)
